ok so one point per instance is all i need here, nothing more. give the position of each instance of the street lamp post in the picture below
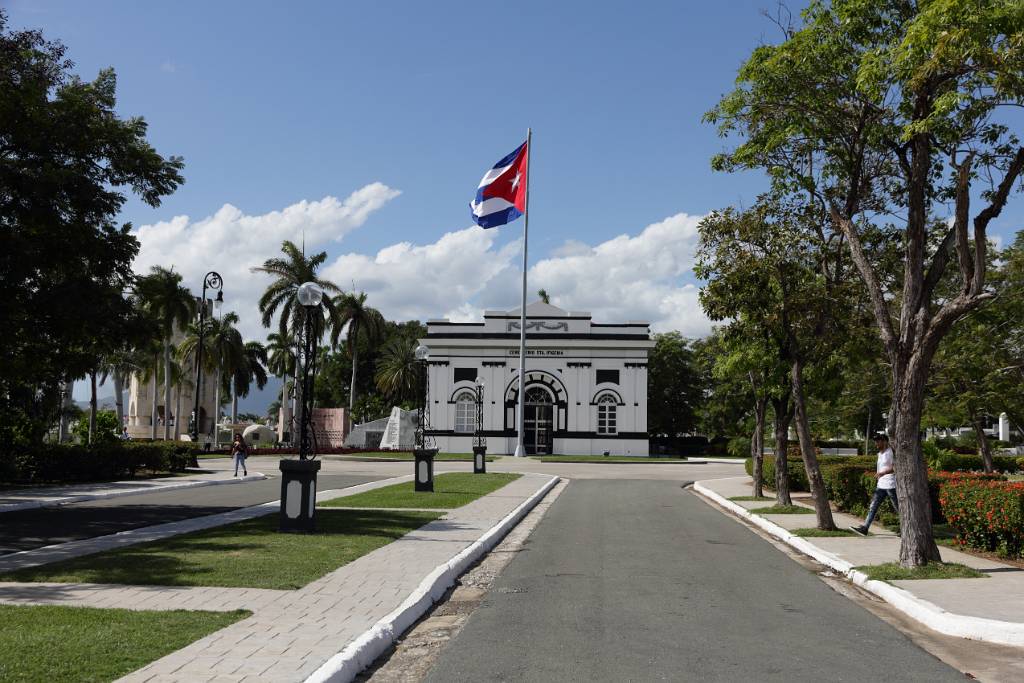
(479, 440)
(211, 280)
(424, 451)
(298, 477)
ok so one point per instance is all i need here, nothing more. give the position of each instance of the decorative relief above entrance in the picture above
(539, 325)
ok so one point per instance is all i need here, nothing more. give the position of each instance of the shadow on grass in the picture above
(251, 553)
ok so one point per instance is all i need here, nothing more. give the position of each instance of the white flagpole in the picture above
(520, 450)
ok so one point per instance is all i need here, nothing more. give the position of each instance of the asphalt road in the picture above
(29, 529)
(642, 581)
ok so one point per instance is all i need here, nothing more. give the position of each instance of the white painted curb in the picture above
(362, 651)
(927, 613)
(81, 498)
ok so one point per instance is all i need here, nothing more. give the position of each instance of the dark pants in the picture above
(877, 500)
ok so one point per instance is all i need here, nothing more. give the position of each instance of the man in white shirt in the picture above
(886, 487)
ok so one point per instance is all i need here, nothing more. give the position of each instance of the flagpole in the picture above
(520, 451)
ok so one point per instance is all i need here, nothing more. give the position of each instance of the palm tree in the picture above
(281, 362)
(173, 306)
(224, 351)
(280, 297)
(397, 370)
(543, 294)
(351, 311)
(251, 369)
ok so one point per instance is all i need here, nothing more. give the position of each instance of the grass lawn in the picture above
(812, 532)
(892, 571)
(605, 459)
(56, 643)
(742, 498)
(451, 490)
(250, 554)
(406, 456)
(783, 510)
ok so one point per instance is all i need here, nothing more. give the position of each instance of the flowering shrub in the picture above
(987, 515)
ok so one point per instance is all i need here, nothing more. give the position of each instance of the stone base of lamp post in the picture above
(424, 478)
(298, 495)
(479, 459)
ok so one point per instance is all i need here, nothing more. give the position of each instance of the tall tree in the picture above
(281, 355)
(397, 374)
(173, 306)
(674, 391)
(66, 159)
(280, 297)
(889, 111)
(353, 315)
(252, 368)
(223, 352)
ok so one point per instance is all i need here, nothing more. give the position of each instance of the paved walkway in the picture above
(1000, 596)
(32, 497)
(292, 633)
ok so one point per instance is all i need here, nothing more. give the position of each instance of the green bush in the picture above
(987, 515)
(739, 446)
(99, 462)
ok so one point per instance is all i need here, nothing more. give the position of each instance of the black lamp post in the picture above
(298, 477)
(211, 280)
(479, 440)
(424, 451)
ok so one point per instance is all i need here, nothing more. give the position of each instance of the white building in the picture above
(586, 383)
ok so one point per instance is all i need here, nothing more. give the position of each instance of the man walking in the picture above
(886, 487)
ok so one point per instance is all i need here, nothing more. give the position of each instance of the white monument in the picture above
(400, 430)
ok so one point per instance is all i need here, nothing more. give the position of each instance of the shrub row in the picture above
(99, 462)
(948, 461)
(987, 515)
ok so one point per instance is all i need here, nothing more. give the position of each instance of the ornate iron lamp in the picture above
(211, 280)
(424, 451)
(479, 440)
(298, 477)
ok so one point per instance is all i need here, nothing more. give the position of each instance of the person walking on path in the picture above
(240, 451)
(886, 487)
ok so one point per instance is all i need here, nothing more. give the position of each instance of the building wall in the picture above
(564, 357)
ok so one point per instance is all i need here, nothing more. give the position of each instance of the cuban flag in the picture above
(501, 196)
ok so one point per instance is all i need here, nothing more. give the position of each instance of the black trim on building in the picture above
(540, 335)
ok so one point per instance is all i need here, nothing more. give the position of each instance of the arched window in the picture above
(465, 413)
(607, 415)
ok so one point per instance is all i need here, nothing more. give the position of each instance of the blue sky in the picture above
(365, 127)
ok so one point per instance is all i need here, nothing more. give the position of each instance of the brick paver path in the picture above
(292, 633)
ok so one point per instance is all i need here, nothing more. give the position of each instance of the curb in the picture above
(362, 651)
(57, 502)
(927, 613)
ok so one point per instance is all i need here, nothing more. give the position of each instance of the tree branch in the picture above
(870, 279)
(991, 211)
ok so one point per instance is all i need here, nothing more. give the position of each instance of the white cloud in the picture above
(169, 67)
(231, 242)
(631, 277)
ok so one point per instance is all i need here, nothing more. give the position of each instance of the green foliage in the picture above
(107, 428)
(739, 446)
(783, 510)
(51, 463)
(67, 160)
(987, 515)
(674, 391)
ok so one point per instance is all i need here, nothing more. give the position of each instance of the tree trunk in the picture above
(355, 361)
(917, 547)
(119, 399)
(64, 431)
(984, 447)
(757, 447)
(152, 413)
(167, 387)
(177, 413)
(807, 452)
(285, 417)
(92, 404)
(234, 404)
(783, 416)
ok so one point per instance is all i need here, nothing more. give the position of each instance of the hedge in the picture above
(849, 482)
(987, 515)
(949, 461)
(99, 462)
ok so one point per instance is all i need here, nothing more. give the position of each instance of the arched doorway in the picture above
(538, 422)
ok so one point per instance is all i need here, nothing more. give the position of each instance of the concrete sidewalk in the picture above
(29, 498)
(332, 626)
(989, 609)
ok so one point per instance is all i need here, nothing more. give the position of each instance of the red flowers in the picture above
(988, 515)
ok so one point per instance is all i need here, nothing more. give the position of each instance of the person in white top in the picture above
(886, 487)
